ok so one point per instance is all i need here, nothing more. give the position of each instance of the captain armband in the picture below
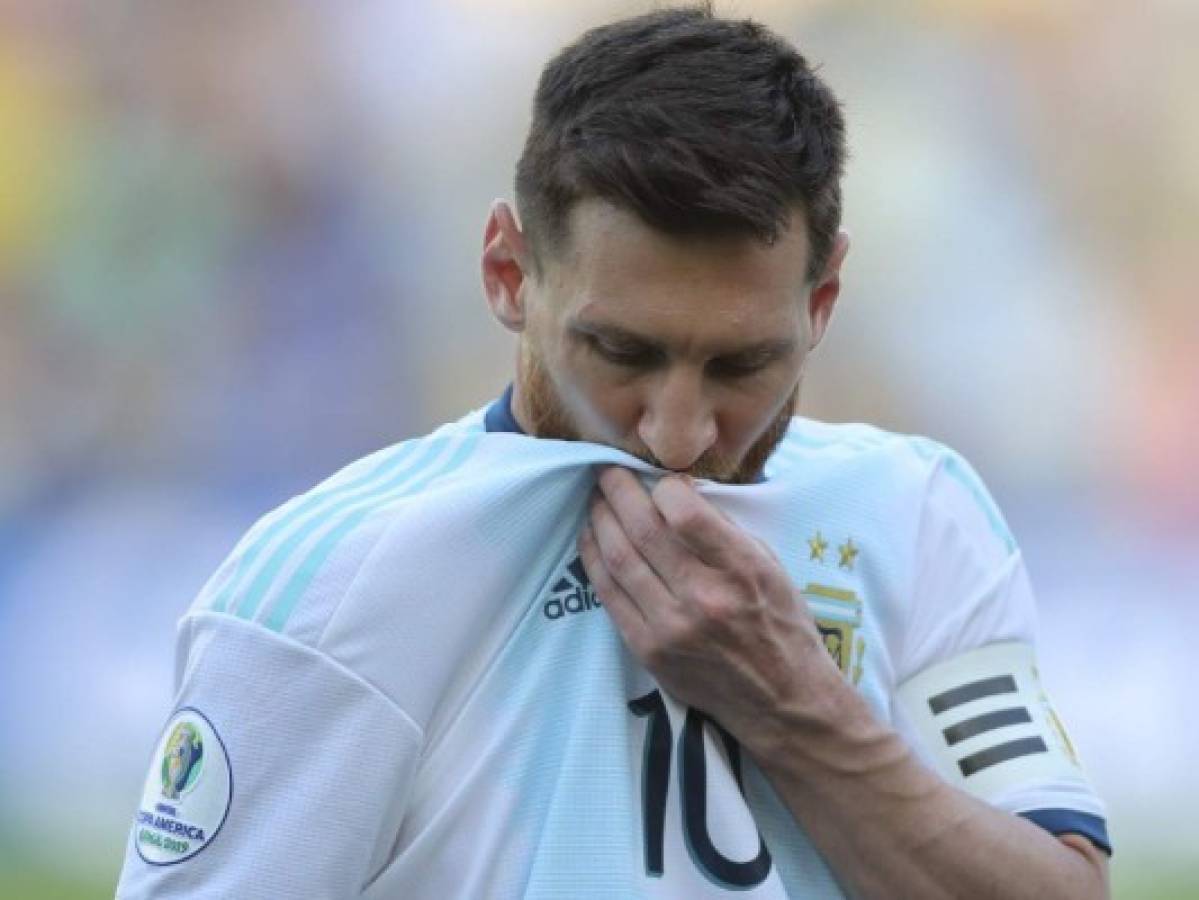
(986, 721)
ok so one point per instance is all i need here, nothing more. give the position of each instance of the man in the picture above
(578, 643)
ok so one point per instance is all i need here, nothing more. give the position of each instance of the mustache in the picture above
(550, 418)
(712, 466)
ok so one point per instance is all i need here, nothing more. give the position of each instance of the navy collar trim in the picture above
(499, 418)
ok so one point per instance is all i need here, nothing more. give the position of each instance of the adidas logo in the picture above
(572, 593)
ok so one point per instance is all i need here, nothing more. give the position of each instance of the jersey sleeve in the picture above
(280, 773)
(969, 697)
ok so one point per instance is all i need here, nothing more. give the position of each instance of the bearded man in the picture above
(571, 645)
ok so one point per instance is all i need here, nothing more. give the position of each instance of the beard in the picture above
(548, 417)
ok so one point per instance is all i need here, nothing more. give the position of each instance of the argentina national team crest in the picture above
(187, 793)
(838, 615)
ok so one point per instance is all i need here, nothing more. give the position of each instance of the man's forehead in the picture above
(598, 233)
(617, 273)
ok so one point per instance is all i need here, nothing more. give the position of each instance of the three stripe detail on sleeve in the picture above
(276, 568)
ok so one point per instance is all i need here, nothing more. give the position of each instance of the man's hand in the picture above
(705, 607)
(712, 614)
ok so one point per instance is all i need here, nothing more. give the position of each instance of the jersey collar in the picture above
(499, 418)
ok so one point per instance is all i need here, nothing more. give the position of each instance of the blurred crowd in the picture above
(230, 229)
(201, 278)
(238, 249)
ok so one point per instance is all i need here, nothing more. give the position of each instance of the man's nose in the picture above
(677, 425)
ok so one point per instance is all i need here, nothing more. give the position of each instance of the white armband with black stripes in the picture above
(987, 723)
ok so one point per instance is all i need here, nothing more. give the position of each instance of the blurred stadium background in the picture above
(238, 248)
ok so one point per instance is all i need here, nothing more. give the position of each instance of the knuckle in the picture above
(662, 493)
(758, 572)
(689, 517)
(663, 486)
(734, 570)
(645, 532)
(677, 508)
(750, 568)
(616, 557)
(715, 606)
(736, 575)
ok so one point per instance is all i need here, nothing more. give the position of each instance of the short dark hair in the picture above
(697, 124)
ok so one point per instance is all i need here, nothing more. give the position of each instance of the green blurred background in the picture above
(238, 248)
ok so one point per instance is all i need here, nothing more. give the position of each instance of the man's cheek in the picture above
(605, 413)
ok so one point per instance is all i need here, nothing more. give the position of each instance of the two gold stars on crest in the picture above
(848, 551)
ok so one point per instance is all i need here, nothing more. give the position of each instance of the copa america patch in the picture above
(988, 722)
(187, 793)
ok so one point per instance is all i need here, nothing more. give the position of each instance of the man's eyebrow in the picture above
(615, 333)
(770, 348)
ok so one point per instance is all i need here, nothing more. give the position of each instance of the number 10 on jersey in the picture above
(693, 782)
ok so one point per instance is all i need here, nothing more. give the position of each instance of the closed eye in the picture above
(629, 355)
(740, 365)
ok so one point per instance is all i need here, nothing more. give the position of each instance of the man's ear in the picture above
(504, 266)
(827, 289)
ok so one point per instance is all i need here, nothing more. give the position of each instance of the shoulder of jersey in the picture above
(856, 460)
(387, 512)
(813, 449)
(313, 545)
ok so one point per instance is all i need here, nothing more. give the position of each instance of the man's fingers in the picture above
(674, 526)
(625, 613)
(643, 524)
(624, 562)
(703, 528)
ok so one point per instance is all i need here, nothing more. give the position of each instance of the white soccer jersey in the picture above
(401, 684)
